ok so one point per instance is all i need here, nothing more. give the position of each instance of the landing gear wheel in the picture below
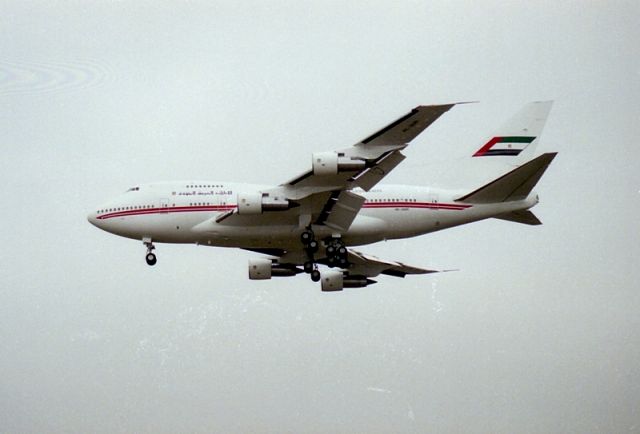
(310, 247)
(315, 276)
(308, 267)
(151, 259)
(336, 252)
(306, 237)
(313, 246)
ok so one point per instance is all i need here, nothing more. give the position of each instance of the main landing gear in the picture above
(150, 257)
(310, 247)
(336, 253)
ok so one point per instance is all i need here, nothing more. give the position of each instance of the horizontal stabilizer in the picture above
(525, 217)
(515, 185)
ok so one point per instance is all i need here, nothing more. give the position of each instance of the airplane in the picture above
(317, 217)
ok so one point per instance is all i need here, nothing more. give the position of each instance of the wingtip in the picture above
(449, 104)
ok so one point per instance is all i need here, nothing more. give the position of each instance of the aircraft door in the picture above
(164, 205)
(433, 200)
(434, 205)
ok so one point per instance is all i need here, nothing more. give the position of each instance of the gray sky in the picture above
(538, 332)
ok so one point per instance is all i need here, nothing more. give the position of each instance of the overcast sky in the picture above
(539, 330)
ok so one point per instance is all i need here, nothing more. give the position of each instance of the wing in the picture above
(370, 266)
(323, 192)
(323, 196)
(359, 264)
(368, 161)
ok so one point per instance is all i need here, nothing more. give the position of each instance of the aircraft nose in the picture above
(91, 218)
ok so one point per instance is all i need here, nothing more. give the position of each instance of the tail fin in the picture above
(515, 185)
(517, 139)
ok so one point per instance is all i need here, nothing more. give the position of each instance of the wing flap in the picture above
(371, 176)
(344, 211)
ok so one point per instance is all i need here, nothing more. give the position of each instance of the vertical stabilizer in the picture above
(517, 139)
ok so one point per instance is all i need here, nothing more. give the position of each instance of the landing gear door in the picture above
(164, 205)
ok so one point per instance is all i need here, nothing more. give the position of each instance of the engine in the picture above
(257, 203)
(262, 269)
(330, 163)
(334, 280)
(259, 269)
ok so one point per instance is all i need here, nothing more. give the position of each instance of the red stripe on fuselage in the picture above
(422, 205)
(134, 212)
(222, 208)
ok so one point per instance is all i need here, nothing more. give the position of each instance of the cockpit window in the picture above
(133, 189)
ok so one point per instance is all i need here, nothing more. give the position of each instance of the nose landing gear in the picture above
(150, 257)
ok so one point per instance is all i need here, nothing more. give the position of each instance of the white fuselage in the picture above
(185, 212)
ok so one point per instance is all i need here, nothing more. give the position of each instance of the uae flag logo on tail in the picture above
(509, 145)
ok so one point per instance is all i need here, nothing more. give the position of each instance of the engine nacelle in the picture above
(250, 203)
(325, 163)
(256, 203)
(330, 163)
(279, 270)
(259, 269)
(332, 280)
(263, 269)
